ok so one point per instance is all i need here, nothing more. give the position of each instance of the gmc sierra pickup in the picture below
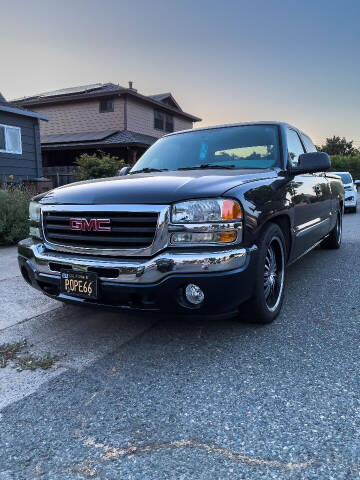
(204, 223)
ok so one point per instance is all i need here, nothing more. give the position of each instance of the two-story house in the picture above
(104, 117)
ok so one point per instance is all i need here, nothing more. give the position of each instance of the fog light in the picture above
(208, 237)
(194, 294)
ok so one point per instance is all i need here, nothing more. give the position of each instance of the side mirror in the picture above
(312, 162)
(123, 171)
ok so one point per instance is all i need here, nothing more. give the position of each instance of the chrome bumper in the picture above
(137, 271)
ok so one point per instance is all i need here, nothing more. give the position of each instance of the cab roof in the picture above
(241, 124)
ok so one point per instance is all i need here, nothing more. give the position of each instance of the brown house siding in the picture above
(80, 117)
(140, 118)
(182, 124)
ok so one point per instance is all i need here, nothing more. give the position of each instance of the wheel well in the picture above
(283, 222)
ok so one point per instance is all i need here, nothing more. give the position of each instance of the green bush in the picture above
(14, 215)
(351, 164)
(98, 165)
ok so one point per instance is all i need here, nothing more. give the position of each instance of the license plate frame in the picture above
(76, 283)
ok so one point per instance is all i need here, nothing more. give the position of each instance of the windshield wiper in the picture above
(208, 165)
(149, 170)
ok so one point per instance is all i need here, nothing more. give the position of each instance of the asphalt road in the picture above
(151, 399)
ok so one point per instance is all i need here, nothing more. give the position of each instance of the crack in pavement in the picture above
(114, 453)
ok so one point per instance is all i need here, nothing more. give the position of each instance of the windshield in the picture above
(345, 178)
(248, 146)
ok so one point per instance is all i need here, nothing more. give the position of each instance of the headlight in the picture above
(215, 221)
(34, 217)
(206, 211)
(34, 212)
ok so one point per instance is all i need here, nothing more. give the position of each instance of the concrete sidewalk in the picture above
(18, 301)
(77, 335)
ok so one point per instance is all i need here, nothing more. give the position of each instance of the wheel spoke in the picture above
(272, 258)
(273, 273)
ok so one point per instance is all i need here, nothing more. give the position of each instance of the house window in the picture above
(163, 121)
(169, 123)
(159, 119)
(10, 139)
(106, 106)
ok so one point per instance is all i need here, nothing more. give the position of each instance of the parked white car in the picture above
(350, 190)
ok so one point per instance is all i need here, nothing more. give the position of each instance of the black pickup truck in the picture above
(204, 223)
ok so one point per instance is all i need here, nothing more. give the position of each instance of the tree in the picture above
(98, 165)
(339, 146)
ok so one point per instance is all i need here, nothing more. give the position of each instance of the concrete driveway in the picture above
(139, 398)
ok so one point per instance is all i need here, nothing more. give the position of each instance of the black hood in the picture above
(161, 188)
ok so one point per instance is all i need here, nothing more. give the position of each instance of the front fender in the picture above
(263, 201)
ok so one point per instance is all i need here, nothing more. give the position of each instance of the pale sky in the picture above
(225, 61)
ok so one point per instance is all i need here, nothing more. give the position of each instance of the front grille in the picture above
(129, 230)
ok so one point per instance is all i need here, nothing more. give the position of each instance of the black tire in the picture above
(268, 296)
(333, 241)
(354, 209)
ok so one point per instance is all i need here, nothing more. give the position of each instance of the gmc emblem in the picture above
(94, 224)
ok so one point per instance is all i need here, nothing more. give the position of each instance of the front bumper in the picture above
(350, 201)
(156, 284)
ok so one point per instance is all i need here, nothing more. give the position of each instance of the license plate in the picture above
(79, 284)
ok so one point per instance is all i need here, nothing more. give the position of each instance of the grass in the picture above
(23, 360)
(9, 352)
(32, 362)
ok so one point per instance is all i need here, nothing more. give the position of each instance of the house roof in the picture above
(77, 137)
(98, 90)
(7, 107)
(2, 100)
(110, 138)
(166, 98)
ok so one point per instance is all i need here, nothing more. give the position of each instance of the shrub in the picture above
(351, 164)
(14, 215)
(98, 165)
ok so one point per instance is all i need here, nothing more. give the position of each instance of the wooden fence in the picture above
(61, 175)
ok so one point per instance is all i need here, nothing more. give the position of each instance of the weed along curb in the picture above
(17, 355)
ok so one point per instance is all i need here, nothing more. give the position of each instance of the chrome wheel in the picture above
(274, 273)
(339, 228)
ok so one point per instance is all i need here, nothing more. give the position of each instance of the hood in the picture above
(150, 188)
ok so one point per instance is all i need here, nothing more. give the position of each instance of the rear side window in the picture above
(295, 147)
(310, 147)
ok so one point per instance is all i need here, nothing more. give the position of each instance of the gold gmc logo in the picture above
(91, 225)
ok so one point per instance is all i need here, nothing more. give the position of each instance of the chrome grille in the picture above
(129, 230)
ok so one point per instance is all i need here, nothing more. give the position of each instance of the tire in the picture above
(268, 296)
(354, 209)
(333, 241)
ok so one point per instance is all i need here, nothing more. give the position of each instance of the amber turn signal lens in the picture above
(231, 210)
(227, 237)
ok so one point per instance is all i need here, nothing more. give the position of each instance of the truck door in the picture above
(311, 200)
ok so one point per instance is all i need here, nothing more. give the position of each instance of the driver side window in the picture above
(295, 147)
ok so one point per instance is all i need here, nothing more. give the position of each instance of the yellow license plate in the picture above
(79, 284)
